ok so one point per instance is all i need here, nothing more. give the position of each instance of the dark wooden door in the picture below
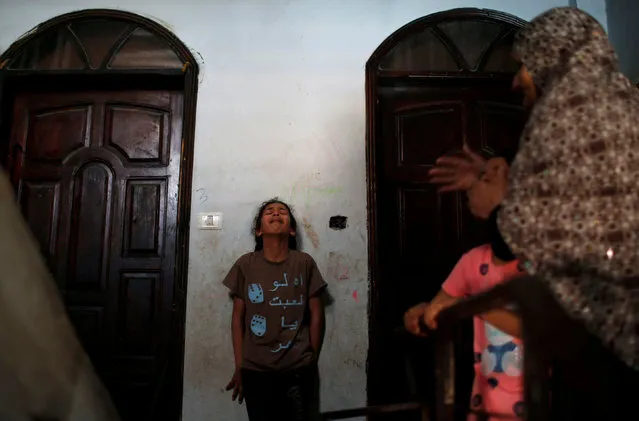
(97, 177)
(422, 234)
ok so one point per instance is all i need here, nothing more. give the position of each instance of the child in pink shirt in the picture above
(498, 385)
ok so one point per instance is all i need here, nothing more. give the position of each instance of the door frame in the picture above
(376, 78)
(13, 82)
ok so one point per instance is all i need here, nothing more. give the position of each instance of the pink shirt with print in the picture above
(498, 385)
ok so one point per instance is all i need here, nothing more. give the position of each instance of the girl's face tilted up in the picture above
(276, 220)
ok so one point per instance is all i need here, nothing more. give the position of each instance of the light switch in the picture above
(210, 221)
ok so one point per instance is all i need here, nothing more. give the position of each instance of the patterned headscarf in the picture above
(572, 210)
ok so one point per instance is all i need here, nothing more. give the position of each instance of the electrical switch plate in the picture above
(210, 221)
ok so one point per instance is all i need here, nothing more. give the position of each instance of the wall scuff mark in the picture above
(310, 232)
(338, 266)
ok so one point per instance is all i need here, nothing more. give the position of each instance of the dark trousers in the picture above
(282, 395)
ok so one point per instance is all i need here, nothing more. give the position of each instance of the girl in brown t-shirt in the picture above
(278, 321)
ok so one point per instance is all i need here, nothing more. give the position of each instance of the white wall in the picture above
(280, 112)
(623, 16)
(596, 8)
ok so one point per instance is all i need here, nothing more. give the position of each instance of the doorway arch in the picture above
(114, 95)
(436, 83)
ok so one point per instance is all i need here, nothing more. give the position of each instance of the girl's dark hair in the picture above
(257, 225)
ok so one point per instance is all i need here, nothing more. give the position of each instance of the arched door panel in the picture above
(102, 171)
(436, 84)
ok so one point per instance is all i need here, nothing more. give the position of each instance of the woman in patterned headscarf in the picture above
(572, 206)
(571, 209)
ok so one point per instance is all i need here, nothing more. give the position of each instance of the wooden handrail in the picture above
(522, 292)
(588, 381)
(591, 381)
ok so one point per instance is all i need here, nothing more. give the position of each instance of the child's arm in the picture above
(455, 287)
(317, 325)
(237, 333)
(427, 313)
(237, 330)
(443, 300)
(505, 320)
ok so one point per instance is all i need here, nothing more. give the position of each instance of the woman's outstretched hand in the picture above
(457, 172)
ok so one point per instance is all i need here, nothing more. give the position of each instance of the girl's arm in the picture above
(237, 330)
(427, 313)
(317, 325)
(505, 320)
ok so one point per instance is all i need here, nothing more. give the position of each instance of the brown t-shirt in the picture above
(277, 317)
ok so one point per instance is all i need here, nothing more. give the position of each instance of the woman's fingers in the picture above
(443, 178)
(452, 162)
(446, 171)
